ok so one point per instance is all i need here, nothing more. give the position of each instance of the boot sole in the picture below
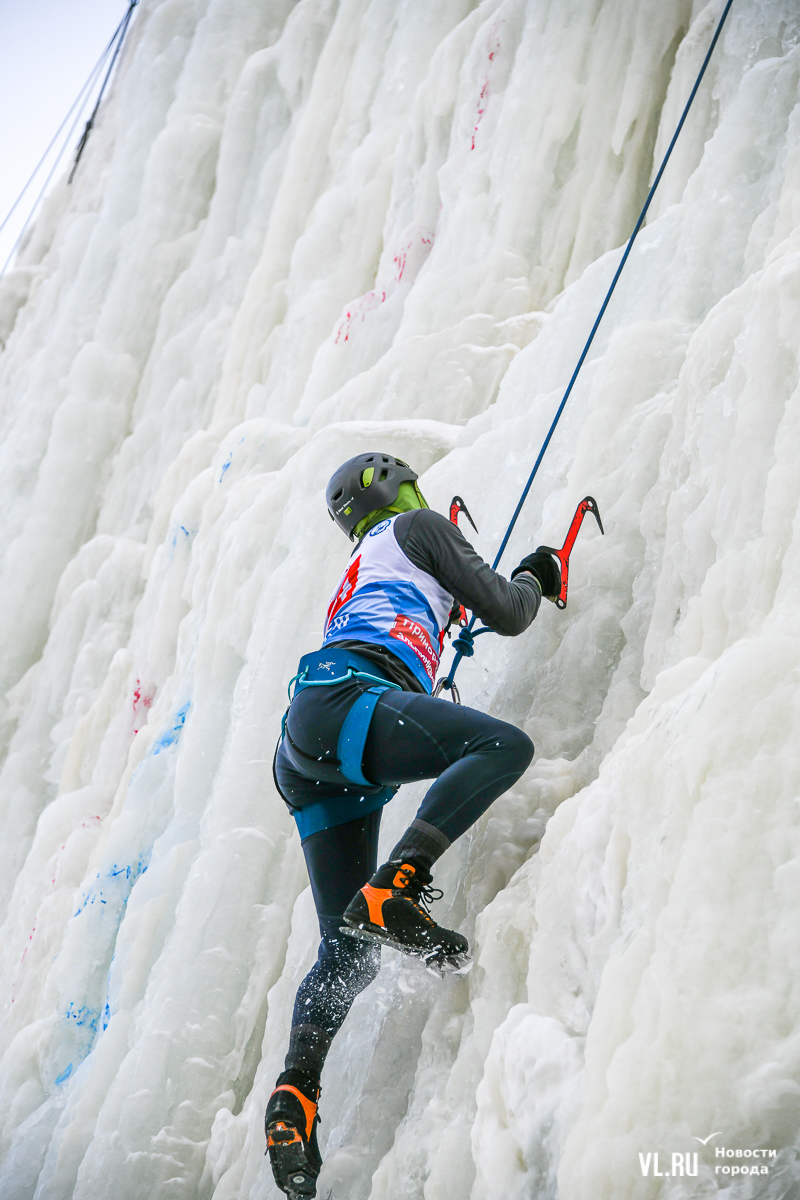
(435, 960)
(294, 1174)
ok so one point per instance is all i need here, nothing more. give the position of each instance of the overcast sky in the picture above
(47, 51)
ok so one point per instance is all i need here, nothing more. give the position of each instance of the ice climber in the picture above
(362, 722)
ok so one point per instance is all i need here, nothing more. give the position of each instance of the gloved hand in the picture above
(547, 569)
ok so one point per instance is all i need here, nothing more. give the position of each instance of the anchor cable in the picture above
(78, 104)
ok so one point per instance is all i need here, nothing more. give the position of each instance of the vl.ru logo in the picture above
(682, 1164)
(686, 1163)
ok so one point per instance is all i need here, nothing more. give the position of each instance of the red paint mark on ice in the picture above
(492, 49)
(21, 961)
(407, 262)
(358, 310)
(481, 110)
(418, 241)
(142, 699)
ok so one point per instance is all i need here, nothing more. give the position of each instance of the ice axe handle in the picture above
(588, 504)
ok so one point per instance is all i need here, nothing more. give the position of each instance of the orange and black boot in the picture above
(393, 909)
(291, 1126)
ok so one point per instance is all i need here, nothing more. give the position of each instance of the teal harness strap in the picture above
(303, 682)
(353, 737)
(327, 814)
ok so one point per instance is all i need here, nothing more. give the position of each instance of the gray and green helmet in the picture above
(364, 484)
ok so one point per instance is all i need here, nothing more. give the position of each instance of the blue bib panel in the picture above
(385, 599)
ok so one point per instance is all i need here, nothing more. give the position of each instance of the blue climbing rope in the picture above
(463, 644)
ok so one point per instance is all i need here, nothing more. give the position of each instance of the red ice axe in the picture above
(457, 506)
(463, 645)
(587, 505)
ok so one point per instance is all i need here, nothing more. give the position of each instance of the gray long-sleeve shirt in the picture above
(437, 546)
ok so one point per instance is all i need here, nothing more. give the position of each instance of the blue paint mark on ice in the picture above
(119, 897)
(171, 736)
(83, 1016)
(187, 534)
(103, 905)
(225, 465)
(78, 1035)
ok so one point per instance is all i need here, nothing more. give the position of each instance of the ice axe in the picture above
(587, 505)
(457, 506)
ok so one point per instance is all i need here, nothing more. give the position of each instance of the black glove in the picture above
(544, 565)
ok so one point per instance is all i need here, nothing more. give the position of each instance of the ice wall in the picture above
(302, 230)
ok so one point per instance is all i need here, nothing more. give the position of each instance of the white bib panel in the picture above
(383, 598)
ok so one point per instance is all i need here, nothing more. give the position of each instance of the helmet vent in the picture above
(338, 495)
(383, 475)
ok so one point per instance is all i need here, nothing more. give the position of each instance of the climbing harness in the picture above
(353, 736)
(325, 668)
(79, 104)
(463, 644)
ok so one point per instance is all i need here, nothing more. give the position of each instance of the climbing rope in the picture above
(463, 646)
(79, 104)
(119, 37)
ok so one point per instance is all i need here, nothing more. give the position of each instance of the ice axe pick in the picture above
(457, 506)
(587, 505)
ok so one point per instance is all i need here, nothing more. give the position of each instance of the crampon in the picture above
(291, 1127)
(392, 909)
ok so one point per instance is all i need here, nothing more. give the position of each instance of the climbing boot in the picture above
(393, 909)
(291, 1126)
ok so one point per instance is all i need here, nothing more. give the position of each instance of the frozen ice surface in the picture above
(302, 230)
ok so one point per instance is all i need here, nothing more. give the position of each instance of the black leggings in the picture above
(473, 759)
